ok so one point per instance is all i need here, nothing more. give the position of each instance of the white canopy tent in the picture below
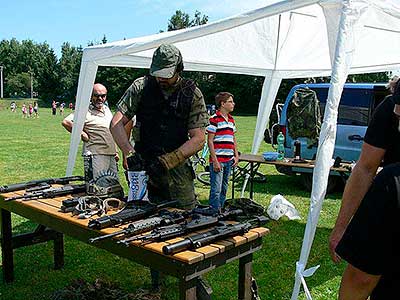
(288, 39)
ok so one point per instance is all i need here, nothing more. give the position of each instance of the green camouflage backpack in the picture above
(304, 116)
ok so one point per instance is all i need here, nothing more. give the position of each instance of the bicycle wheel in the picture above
(204, 177)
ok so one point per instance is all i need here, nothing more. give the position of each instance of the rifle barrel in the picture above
(32, 183)
(50, 193)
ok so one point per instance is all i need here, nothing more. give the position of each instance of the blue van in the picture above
(356, 106)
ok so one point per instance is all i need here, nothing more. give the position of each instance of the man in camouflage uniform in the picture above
(170, 126)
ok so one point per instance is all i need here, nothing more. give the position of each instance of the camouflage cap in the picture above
(165, 60)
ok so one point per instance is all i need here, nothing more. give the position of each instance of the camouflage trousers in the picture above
(176, 185)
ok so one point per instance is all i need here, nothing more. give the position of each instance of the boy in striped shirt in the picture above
(223, 149)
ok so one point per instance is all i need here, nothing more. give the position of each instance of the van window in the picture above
(380, 92)
(353, 107)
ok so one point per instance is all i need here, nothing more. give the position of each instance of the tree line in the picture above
(29, 64)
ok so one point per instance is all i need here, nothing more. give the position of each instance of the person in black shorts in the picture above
(370, 243)
(381, 147)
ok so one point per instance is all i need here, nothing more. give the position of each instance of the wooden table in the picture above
(187, 266)
(256, 160)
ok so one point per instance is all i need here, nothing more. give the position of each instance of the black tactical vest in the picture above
(163, 123)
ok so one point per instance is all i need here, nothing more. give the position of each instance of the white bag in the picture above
(279, 207)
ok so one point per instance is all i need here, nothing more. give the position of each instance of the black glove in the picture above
(155, 168)
(135, 162)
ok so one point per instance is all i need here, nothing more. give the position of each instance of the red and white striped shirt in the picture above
(224, 131)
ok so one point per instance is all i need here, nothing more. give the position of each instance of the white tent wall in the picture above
(87, 76)
(288, 39)
(269, 91)
(348, 30)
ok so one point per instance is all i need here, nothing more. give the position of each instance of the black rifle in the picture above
(163, 218)
(133, 211)
(51, 192)
(217, 233)
(174, 230)
(40, 182)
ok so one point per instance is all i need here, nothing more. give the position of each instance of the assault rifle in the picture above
(219, 232)
(51, 192)
(39, 183)
(133, 211)
(174, 230)
(163, 218)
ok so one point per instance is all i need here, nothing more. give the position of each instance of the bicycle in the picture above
(204, 176)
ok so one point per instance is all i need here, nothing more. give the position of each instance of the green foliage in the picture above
(246, 89)
(117, 80)
(38, 148)
(19, 84)
(181, 20)
(369, 77)
(28, 57)
(68, 67)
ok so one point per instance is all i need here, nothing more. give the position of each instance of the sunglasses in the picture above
(99, 95)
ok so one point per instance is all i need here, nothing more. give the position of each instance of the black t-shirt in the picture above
(383, 131)
(370, 242)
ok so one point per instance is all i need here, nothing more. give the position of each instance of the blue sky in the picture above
(79, 22)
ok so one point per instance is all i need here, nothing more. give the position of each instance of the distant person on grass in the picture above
(13, 106)
(30, 110)
(223, 148)
(62, 105)
(36, 109)
(96, 134)
(370, 243)
(24, 111)
(54, 108)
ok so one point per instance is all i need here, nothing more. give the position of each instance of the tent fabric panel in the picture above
(87, 77)
(174, 37)
(268, 94)
(349, 28)
(246, 46)
(380, 31)
(305, 46)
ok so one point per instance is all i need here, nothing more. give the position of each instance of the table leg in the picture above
(58, 251)
(251, 179)
(187, 289)
(6, 246)
(245, 277)
(233, 182)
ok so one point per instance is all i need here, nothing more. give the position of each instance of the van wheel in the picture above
(335, 183)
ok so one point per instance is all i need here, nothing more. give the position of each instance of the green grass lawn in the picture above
(38, 148)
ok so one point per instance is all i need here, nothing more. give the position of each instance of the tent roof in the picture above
(290, 37)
